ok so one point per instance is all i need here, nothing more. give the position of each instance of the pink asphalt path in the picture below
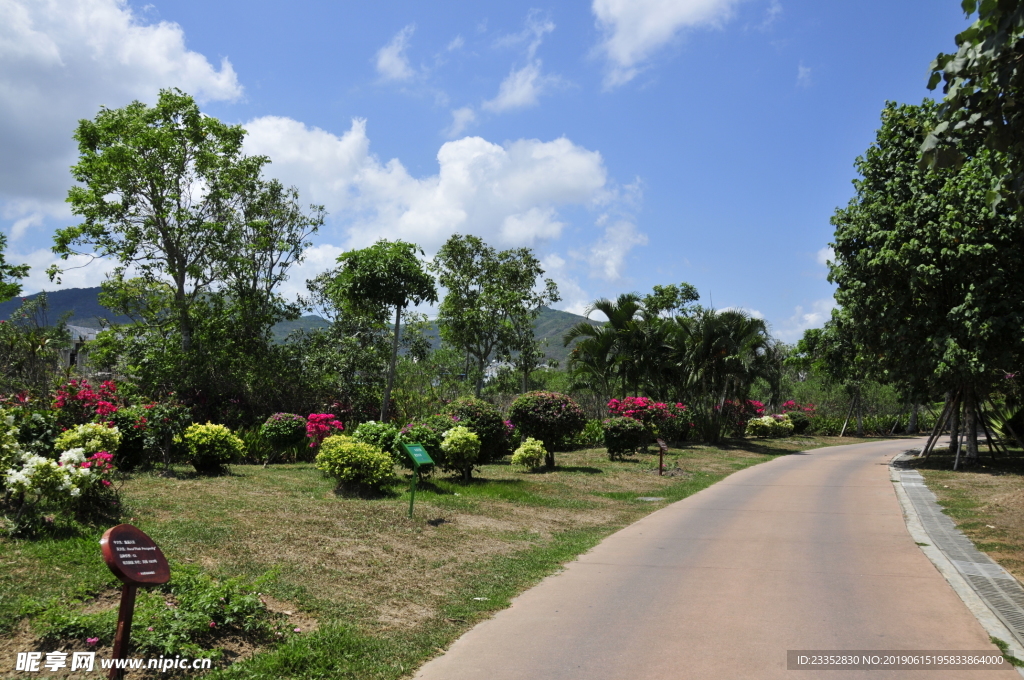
(808, 551)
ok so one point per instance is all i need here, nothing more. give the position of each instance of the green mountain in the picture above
(83, 307)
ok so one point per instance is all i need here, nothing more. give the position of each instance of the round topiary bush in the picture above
(485, 420)
(461, 447)
(354, 465)
(210, 447)
(530, 454)
(381, 435)
(92, 437)
(283, 430)
(622, 436)
(550, 417)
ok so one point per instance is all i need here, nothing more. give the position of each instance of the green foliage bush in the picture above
(205, 611)
(354, 464)
(92, 437)
(283, 430)
(381, 435)
(530, 454)
(210, 447)
(461, 448)
(485, 420)
(427, 432)
(622, 436)
(37, 429)
(591, 436)
(10, 448)
(551, 417)
(800, 421)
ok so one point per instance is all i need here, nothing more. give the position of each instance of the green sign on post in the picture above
(419, 457)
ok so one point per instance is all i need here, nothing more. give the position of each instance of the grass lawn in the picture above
(985, 501)
(374, 592)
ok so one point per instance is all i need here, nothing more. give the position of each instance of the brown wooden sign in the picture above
(133, 556)
(662, 448)
(137, 561)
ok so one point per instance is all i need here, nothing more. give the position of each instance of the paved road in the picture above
(809, 551)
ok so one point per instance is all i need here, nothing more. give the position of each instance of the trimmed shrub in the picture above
(591, 436)
(622, 436)
(551, 417)
(486, 421)
(131, 423)
(530, 454)
(91, 437)
(210, 447)
(353, 464)
(381, 435)
(283, 430)
(461, 448)
(770, 426)
(800, 421)
(426, 432)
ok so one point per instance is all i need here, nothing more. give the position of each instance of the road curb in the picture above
(981, 610)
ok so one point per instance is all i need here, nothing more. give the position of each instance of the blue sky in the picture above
(629, 142)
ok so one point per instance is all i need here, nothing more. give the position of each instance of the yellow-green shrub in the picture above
(461, 448)
(530, 454)
(354, 463)
(210, 447)
(92, 437)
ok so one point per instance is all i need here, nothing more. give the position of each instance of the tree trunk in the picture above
(480, 377)
(912, 425)
(860, 415)
(954, 425)
(391, 369)
(971, 426)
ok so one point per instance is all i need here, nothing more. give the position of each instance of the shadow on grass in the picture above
(1009, 463)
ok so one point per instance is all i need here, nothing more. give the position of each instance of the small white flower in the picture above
(75, 491)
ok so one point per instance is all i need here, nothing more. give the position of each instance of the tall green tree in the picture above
(492, 298)
(158, 193)
(9, 274)
(983, 82)
(386, 276)
(928, 275)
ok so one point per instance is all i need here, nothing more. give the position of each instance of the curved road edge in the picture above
(986, 617)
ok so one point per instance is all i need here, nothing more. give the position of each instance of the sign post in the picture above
(136, 561)
(419, 457)
(662, 448)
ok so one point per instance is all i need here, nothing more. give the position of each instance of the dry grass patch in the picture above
(985, 501)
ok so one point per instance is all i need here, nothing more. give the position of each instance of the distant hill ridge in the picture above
(85, 310)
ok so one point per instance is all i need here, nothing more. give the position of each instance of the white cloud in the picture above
(794, 327)
(456, 44)
(461, 120)
(803, 75)
(825, 255)
(59, 62)
(635, 29)
(521, 88)
(392, 64)
(772, 14)
(607, 257)
(574, 298)
(80, 271)
(507, 194)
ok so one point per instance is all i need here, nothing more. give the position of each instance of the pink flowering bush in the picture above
(77, 402)
(320, 426)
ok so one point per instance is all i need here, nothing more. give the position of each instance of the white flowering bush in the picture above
(92, 437)
(44, 479)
